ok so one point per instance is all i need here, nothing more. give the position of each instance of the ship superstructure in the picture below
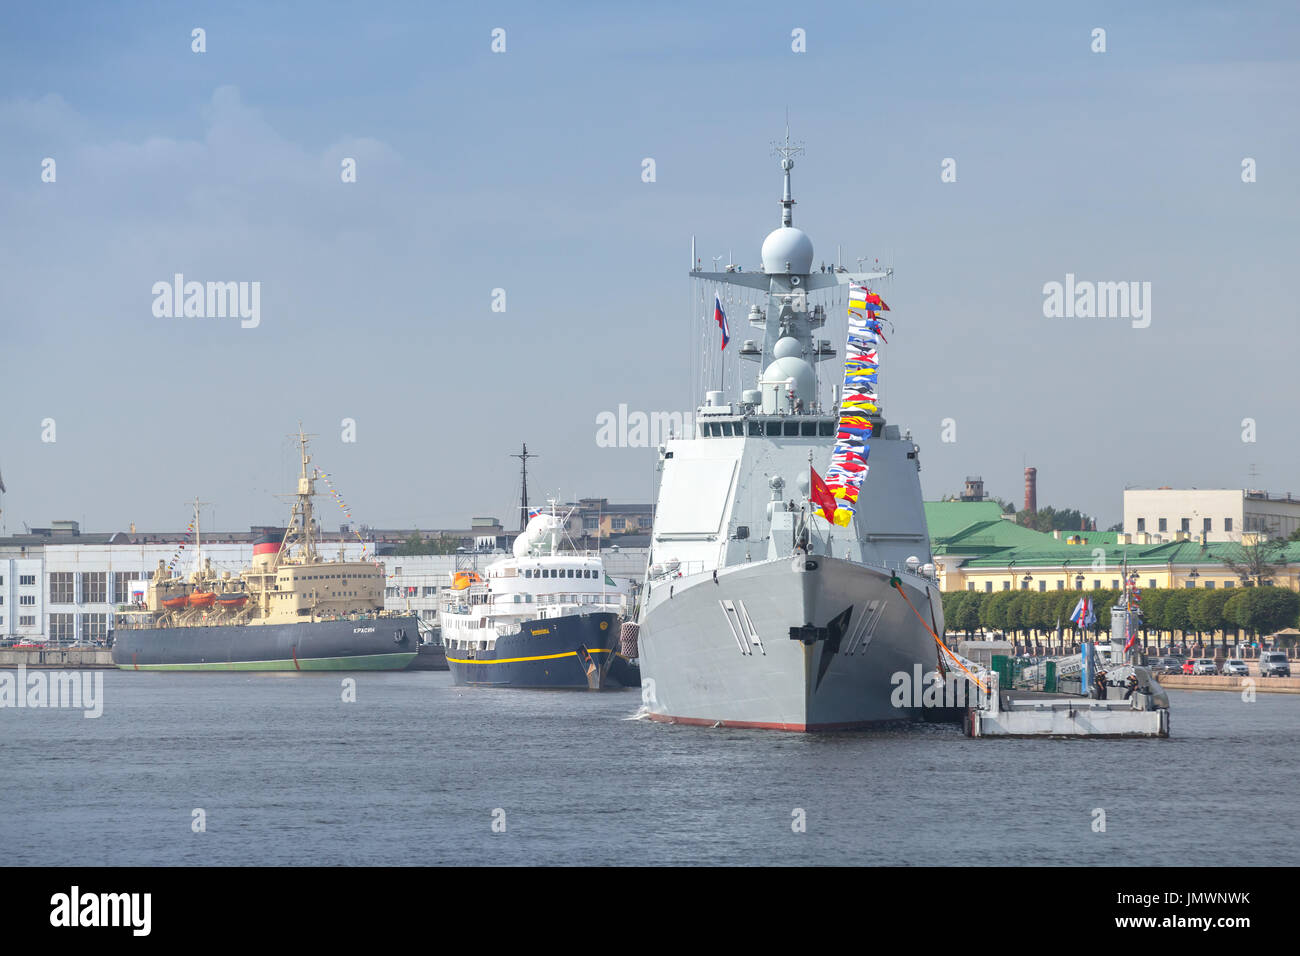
(756, 610)
(291, 609)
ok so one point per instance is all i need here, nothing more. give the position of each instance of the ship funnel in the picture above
(266, 552)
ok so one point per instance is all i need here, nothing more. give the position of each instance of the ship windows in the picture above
(808, 429)
(756, 428)
(826, 428)
(791, 429)
(773, 429)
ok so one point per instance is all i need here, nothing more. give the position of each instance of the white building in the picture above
(68, 588)
(22, 612)
(1219, 514)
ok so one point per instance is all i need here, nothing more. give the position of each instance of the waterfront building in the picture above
(977, 549)
(1158, 515)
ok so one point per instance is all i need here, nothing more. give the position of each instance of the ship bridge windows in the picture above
(773, 429)
(791, 429)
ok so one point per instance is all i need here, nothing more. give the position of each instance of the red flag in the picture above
(821, 495)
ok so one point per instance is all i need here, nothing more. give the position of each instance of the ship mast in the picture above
(300, 531)
(198, 537)
(786, 280)
(523, 505)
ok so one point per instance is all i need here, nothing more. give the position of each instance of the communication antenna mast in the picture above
(523, 497)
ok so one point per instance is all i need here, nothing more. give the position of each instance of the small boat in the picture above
(232, 600)
(202, 599)
(176, 603)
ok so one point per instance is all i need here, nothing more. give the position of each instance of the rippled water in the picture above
(411, 773)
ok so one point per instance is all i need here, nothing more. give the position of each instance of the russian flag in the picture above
(721, 318)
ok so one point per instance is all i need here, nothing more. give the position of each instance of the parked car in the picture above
(1204, 665)
(1235, 667)
(1274, 664)
(1188, 665)
(1166, 665)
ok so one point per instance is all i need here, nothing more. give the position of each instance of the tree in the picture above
(968, 613)
(1042, 612)
(1047, 519)
(1206, 610)
(1175, 616)
(1018, 612)
(952, 602)
(993, 611)
(1258, 562)
(1263, 610)
(1117, 526)
(1153, 605)
(415, 544)
(1007, 507)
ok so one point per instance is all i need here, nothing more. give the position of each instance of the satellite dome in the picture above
(787, 347)
(787, 245)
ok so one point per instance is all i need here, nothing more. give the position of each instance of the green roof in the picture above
(947, 518)
(977, 531)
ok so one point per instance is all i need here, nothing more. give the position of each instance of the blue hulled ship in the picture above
(542, 617)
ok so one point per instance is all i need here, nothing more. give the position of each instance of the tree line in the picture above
(1254, 610)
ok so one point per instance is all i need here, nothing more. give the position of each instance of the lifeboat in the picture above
(463, 579)
(176, 603)
(202, 599)
(232, 600)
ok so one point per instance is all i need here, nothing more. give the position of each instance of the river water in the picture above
(418, 771)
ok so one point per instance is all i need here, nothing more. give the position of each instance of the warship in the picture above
(541, 617)
(291, 610)
(757, 611)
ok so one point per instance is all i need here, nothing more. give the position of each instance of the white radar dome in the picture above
(537, 535)
(787, 245)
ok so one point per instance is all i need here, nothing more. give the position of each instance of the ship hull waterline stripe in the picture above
(767, 725)
(516, 660)
(361, 662)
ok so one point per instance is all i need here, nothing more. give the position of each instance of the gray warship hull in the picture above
(796, 644)
(380, 643)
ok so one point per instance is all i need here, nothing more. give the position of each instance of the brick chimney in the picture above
(1031, 490)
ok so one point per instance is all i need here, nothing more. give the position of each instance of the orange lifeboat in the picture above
(176, 603)
(232, 600)
(202, 599)
(463, 579)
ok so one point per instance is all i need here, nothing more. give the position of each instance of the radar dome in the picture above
(787, 347)
(787, 378)
(787, 245)
(536, 536)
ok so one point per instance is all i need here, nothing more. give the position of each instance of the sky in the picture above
(522, 171)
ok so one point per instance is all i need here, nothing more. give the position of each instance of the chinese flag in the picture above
(821, 496)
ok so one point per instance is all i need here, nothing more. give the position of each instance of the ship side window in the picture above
(773, 429)
(756, 428)
(791, 429)
(808, 428)
(726, 429)
(826, 428)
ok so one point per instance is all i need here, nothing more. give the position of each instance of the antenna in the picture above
(787, 151)
(523, 504)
